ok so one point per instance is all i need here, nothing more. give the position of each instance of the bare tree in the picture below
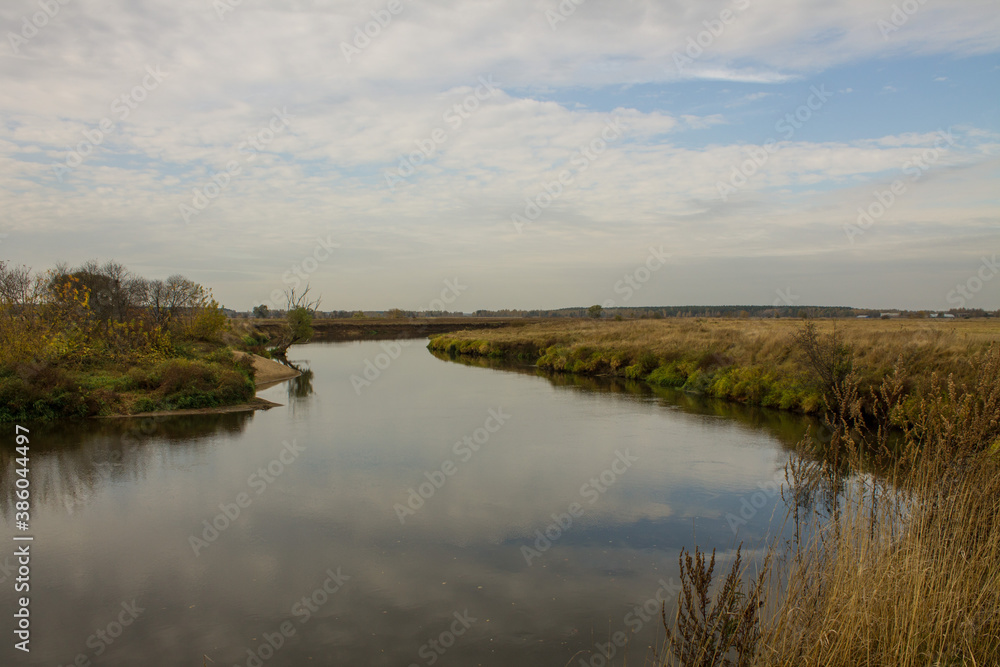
(18, 288)
(298, 321)
(293, 302)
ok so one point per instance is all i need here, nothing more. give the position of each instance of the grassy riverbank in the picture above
(190, 377)
(751, 361)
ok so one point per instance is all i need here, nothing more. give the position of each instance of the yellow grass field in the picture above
(941, 343)
(749, 360)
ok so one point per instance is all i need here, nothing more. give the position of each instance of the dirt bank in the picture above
(268, 372)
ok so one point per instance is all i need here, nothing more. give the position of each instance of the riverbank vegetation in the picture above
(758, 362)
(100, 340)
(895, 501)
(902, 562)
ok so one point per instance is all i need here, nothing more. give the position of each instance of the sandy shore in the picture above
(268, 372)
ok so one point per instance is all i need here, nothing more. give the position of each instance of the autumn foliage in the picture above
(71, 339)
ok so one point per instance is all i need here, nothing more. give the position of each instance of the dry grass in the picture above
(760, 357)
(926, 592)
(903, 567)
(878, 343)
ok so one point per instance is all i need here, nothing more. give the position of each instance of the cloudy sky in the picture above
(537, 153)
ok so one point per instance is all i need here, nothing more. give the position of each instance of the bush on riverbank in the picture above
(99, 340)
(46, 391)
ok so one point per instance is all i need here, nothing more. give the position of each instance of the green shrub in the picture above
(234, 387)
(193, 400)
(789, 399)
(209, 323)
(648, 362)
(145, 404)
(722, 385)
(223, 356)
(179, 375)
(671, 375)
(811, 402)
(699, 382)
(635, 372)
(141, 377)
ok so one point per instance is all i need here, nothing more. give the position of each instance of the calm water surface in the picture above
(120, 509)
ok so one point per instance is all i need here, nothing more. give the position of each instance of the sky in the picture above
(516, 154)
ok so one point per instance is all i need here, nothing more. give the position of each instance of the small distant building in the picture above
(862, 317)
(886, 316)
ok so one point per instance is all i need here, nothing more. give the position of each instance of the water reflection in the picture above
(300, 386)
(71, 460)
(786, 426)
(276, 524)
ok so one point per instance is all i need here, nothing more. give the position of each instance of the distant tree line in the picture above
(264, 312)
(643, 312)
(658, 312)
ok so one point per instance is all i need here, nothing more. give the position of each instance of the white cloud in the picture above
(353, 122)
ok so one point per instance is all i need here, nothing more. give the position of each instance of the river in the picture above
(437, 513)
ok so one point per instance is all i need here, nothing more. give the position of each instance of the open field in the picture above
(372, 328)
(752, 361)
